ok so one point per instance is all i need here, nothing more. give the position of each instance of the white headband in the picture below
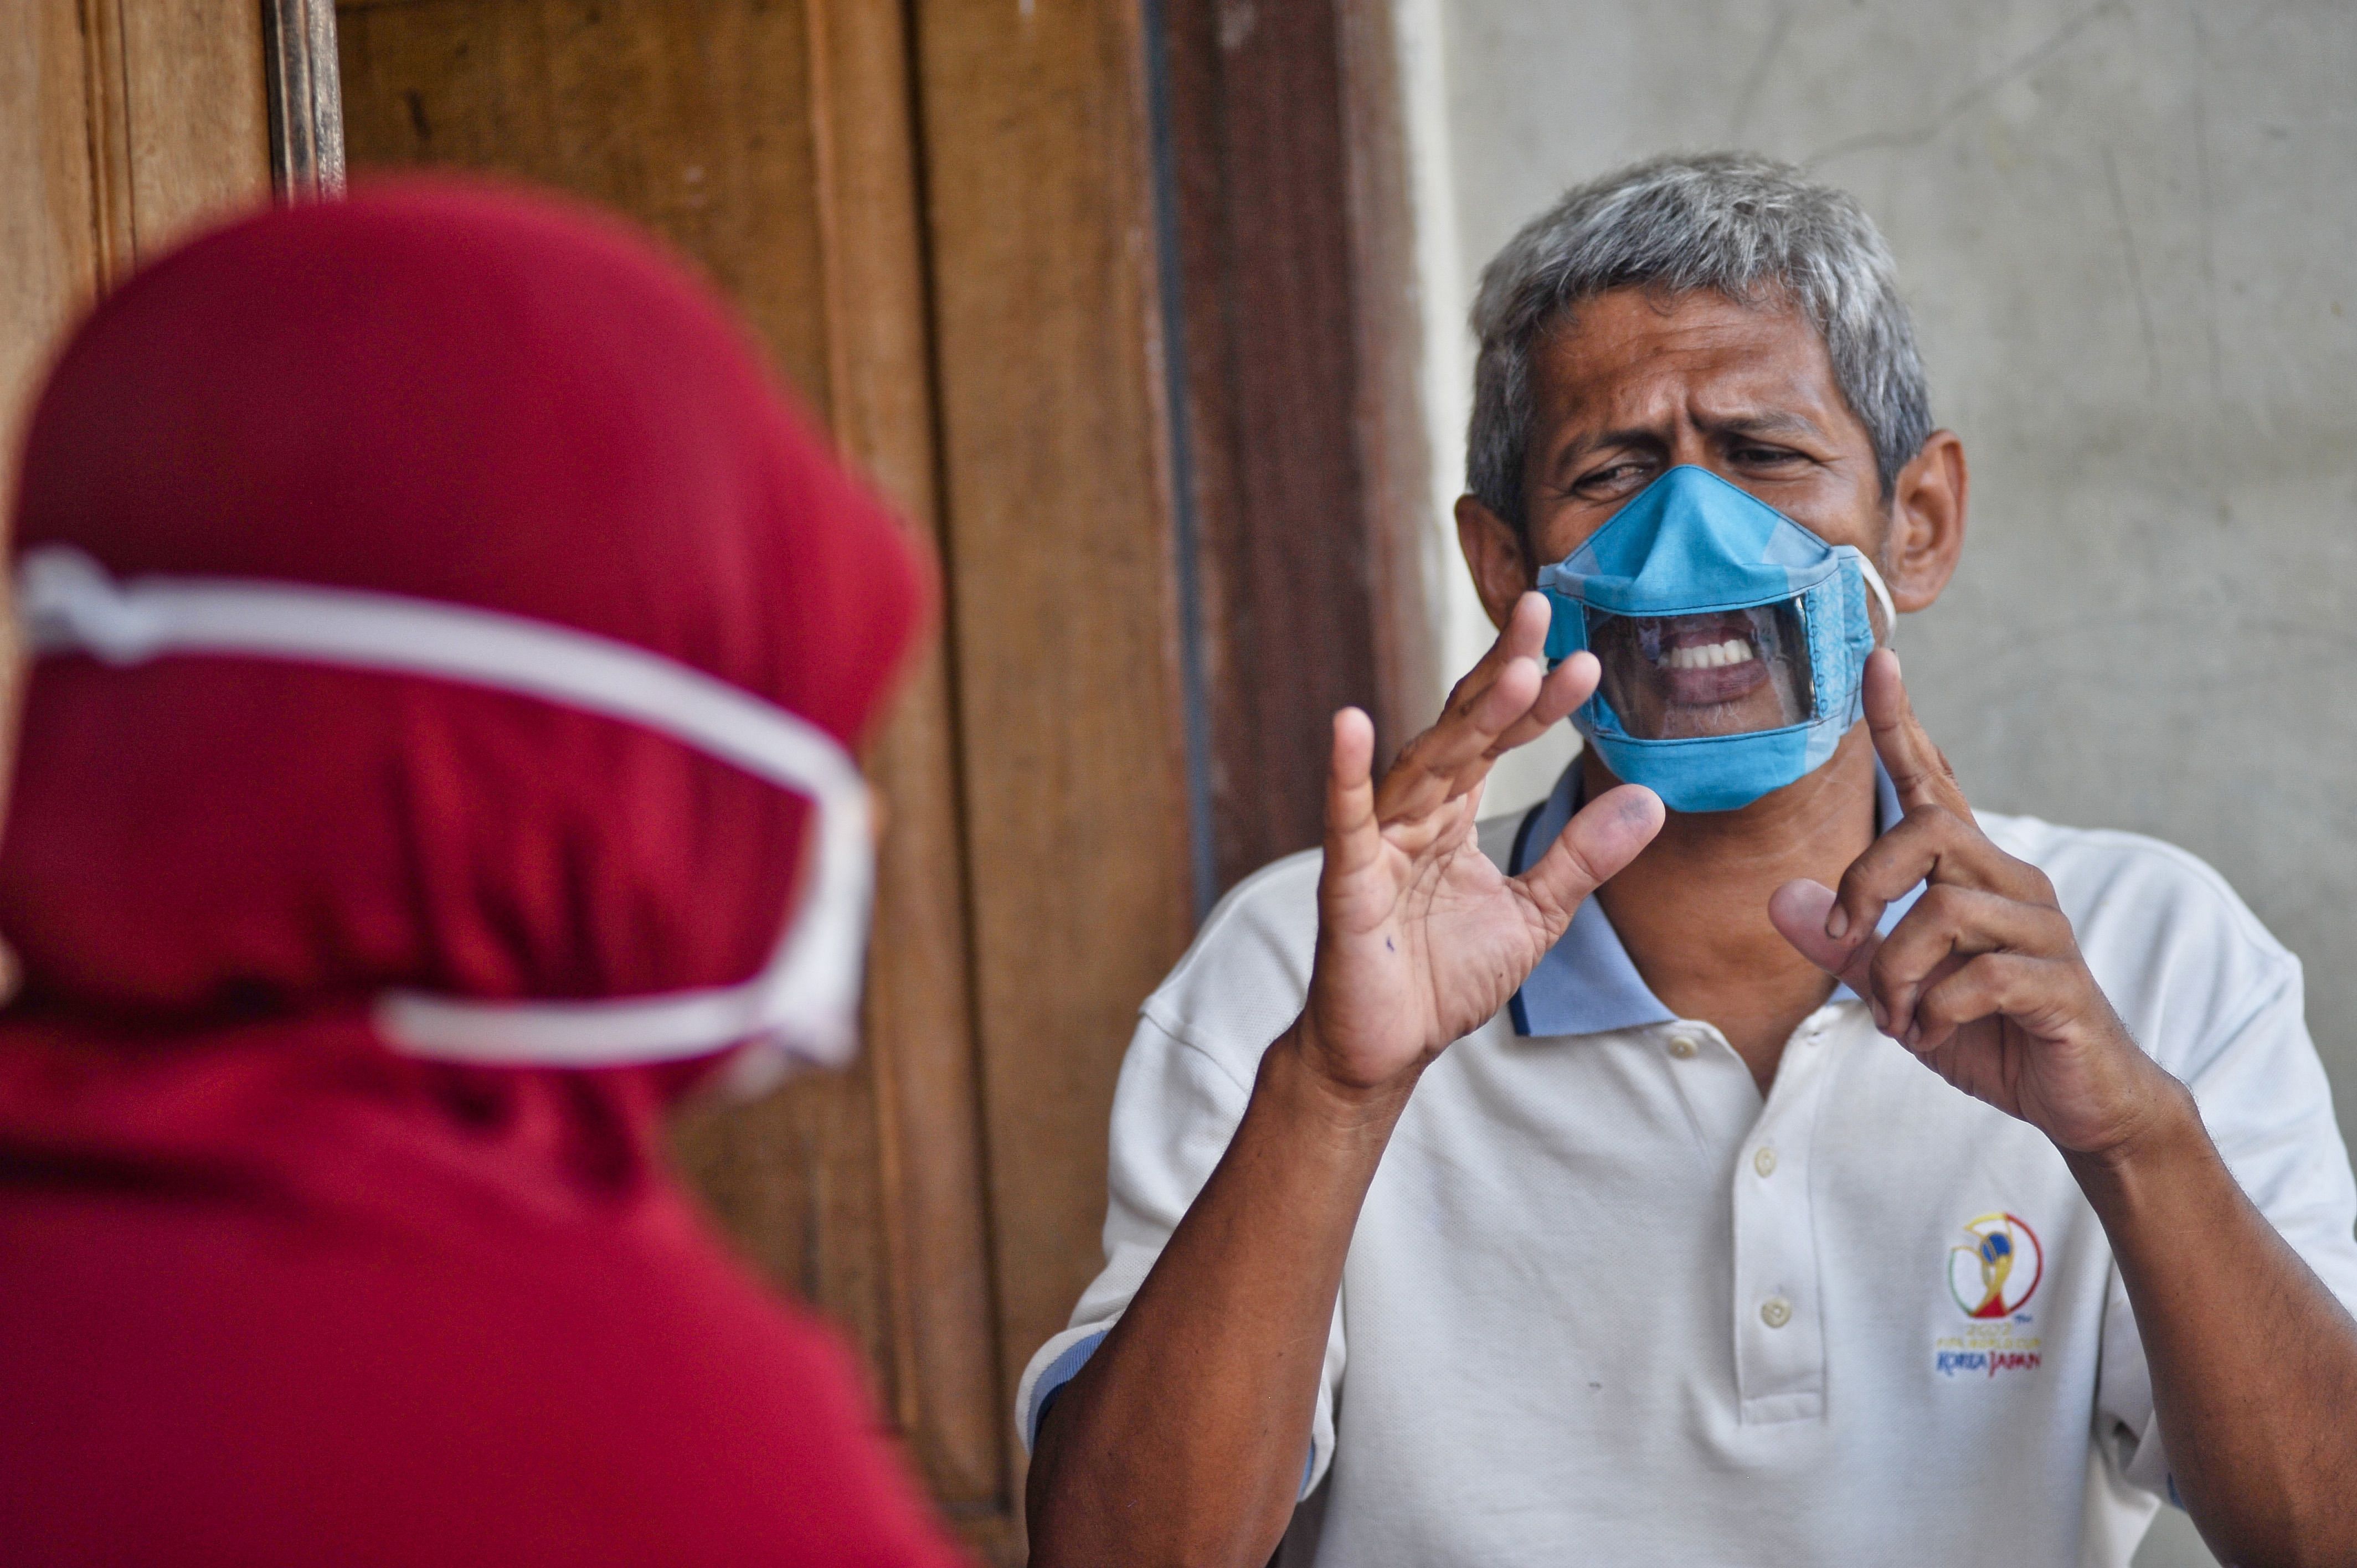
(804, 1003)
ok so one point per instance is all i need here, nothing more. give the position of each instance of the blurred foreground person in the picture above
(433, 763)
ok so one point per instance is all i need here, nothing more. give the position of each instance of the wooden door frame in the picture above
(1305, 489)
(1227, 542)
(306, 95)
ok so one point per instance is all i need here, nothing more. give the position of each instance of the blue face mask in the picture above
(1733, 641)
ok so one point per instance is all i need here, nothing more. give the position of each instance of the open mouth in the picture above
(1703, 659)
(1716, 673)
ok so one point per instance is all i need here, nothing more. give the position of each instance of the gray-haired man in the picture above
(1571, 1187)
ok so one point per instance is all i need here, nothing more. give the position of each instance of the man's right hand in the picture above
(1421, 939)
(1183, 1439)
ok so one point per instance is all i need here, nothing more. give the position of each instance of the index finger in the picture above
(1522, 637)
(1918, 768)
(1447, 760)
(1503, 700)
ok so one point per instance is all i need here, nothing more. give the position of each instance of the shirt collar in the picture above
(1586, 984)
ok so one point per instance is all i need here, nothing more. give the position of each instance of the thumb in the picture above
(1918, 770)
(1797, 910)
(1353, 839)
(1605, 836)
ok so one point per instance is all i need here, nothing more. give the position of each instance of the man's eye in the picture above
(1765, 456)
(1611, 478)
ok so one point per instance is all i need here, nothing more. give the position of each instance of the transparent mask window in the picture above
(1726, 673)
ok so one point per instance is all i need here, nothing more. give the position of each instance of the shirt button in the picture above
(1764, 1162)
(1775, 1312)
(1682, 1046)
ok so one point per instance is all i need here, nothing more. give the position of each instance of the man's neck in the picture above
(1691, 910)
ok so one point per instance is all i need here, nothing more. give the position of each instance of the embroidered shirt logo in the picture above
(1997, 1273)
(1992, 1275)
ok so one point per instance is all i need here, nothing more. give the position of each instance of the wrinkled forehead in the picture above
(1641, 359)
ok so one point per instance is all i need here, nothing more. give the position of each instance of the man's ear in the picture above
(1927, 523)
(1493, 547)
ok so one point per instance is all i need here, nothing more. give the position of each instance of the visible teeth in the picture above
(1709, 655)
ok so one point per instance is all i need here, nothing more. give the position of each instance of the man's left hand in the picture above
(1982, 979)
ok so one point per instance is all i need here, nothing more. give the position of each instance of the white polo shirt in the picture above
(1604, 1305)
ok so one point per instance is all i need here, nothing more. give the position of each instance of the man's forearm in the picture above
(2253, 1363)
(1183, 1439)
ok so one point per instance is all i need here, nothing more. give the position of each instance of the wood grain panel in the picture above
(1388, 423)
(695, 120)
(774, 144)
(1256, 126)
(693, 116)
(119, 129)
(1058, 512)
(920, 996)
(1300, 332)
(48, 261)
(106, 90)
(197, 114)
(120, 126)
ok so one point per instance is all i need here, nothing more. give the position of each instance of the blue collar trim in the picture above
(1587, 984)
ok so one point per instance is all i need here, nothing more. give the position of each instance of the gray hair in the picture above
(1742, 226)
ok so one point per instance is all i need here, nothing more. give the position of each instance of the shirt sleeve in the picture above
(2268, 1107)
(1181, 1094)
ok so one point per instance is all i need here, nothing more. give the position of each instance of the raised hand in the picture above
(1982, 979)
(1420, 939)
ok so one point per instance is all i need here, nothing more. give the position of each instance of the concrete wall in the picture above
(2129, 235)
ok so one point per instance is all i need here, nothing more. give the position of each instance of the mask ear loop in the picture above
(1881, 596)
(804, 1004)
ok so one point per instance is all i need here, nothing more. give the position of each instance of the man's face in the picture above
(1634, 383)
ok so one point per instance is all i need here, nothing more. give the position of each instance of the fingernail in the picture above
(1881, 1018)
(1837, 922)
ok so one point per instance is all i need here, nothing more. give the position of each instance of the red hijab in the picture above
(270, 1291)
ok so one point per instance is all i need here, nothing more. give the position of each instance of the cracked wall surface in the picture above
(2130, 234)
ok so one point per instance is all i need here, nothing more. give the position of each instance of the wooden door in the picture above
(1101, 292)
(826, 161)
(773, 142)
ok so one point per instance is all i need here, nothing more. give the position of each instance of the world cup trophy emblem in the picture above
(1997, 1273)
